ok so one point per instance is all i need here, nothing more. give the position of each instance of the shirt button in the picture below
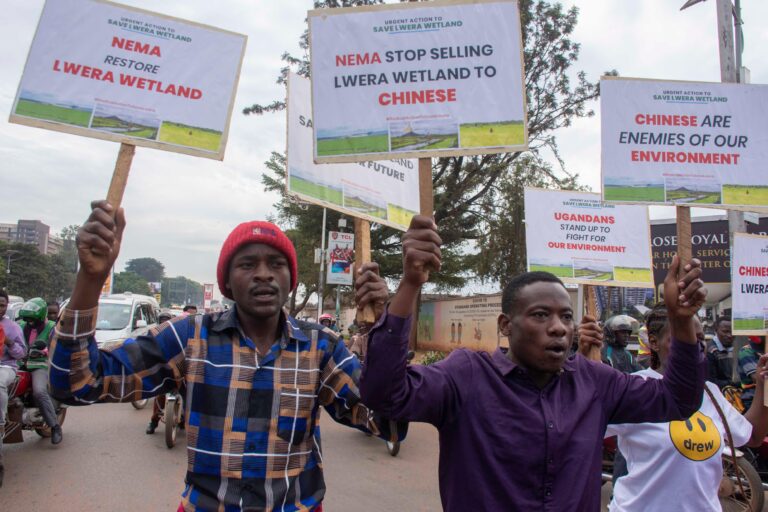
(551, 425)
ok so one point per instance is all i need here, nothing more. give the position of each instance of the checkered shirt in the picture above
(253, 439)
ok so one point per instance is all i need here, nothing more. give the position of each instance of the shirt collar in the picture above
(505, 365)
(291, 331)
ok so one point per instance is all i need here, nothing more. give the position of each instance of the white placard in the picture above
(576, 237)
(417, 80)
(750, 284)
(386, 191)
(341, 250)
(689, 143)
(112, 72)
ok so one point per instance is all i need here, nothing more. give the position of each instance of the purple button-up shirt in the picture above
(14, 347)
(505, 444)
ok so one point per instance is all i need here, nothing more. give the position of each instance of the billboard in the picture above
(461, 323)
(207, 295)
(749, 288)
(341, 255)
(685, 143)
(578, 238)
(420, 79)
(386, 192)
(108, 71)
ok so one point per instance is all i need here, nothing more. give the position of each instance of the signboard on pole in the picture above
(749, 287)
(207, 295)
(341, 250)
(106, 288)
(584, 241)
(118, 73)
(684, 143)
(461, 323)
(442, 78)
(386, 192)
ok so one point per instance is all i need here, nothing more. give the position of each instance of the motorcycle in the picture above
(740, 487)
(23, 413)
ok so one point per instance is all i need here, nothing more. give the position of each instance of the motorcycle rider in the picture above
(618, 330)
(38, 330)
(12, 348)
(326, 320)
(53, 311)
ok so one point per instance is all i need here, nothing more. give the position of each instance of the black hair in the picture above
(657, 322)
(721, 319)
(54, 303)
(4, 293)
(188, 307)
(517, 283)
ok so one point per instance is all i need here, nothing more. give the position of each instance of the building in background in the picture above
(31, 232)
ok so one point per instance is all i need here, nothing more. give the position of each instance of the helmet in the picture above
(34, 310)
(326, 316)
(620, 323)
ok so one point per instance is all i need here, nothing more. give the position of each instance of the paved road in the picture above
(106, 462)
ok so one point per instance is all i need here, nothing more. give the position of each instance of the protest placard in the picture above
(576, 237)
(341, 248)
(749, 284)
(207, 295)
(108, 71)
(417, 79)
(461, 323)
(684, 143)
(386, 192)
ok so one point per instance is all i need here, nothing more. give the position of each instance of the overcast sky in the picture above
(180, 208)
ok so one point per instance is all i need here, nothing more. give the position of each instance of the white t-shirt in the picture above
(676, 466)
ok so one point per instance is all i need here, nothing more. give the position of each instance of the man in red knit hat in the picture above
(255, 377)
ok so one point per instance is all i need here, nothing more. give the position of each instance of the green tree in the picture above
(130, 282)
(29, 270)
(556, 95)
(148, 268)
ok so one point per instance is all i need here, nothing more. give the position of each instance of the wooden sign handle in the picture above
(684, 245)
(591, 302)
(367, 315)
(120, 175)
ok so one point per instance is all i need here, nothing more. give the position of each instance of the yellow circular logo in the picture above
(696, 438)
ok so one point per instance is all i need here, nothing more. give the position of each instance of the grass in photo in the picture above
(481, 135)
(372, 142)
(593, 270)
(398, 215)
(645, 193)
(190, 136)
(56, 112)
(756, 195)
(558, 270)
(361, 205)
(749, 324)
(422, 135)
(701, 190)
(320, 192)
(633, 274)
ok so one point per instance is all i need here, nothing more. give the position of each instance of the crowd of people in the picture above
(520, 428)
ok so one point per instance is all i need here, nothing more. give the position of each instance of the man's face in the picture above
(260, 280)
(621, 338)
(3, 306)
(325, 322)
(53, 312)
(191, 310)
(724, 333)
(539, 327)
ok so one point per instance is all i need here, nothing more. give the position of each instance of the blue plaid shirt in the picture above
(253, 439)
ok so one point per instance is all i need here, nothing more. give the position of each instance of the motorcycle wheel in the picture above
(731, 497)
(171, 415)
(140, 404)
(45, 430)
(393, 447)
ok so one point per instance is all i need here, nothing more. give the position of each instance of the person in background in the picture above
(749, 357)
(158, 405)
(38, 331)
(53, 311)
(190, 309)
(326, 320)
(720, 354)
(12, 348)
(618, 331)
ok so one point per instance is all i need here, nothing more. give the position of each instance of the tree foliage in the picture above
(464, 187)
(148, 268)
(129, 282)
(34, 274)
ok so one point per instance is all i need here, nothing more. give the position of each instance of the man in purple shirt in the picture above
(12, 347)
(522, 429)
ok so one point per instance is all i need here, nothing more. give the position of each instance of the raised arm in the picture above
(137, 368)
(389, 385)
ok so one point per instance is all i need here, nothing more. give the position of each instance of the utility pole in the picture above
(322, 266)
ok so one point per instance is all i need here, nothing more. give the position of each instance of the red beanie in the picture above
(254, 232)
